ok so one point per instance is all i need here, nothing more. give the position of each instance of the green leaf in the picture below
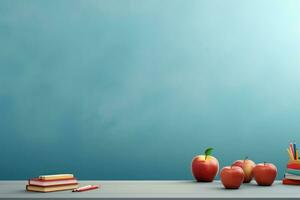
(208, 151)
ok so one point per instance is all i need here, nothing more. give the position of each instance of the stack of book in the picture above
(52, 183)
(292, 173)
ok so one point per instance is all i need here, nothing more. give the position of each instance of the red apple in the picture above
(265, 174)
(247, 166)
(205, 167)
(232, 177)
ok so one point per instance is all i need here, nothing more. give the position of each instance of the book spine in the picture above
(57, 176)
(293, 171)
(290, 182)
(291, 177)
(50, 189)
(52, 180)
(53, 185)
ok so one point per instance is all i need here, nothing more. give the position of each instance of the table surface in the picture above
(154, 189)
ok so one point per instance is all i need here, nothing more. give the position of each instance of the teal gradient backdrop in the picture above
(133, 89)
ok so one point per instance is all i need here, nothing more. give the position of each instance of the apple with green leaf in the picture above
(205, 167)
(247, 166)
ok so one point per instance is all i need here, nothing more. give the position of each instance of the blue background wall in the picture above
(134, 89)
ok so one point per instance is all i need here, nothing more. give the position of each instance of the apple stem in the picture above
(246, 158)
(264, 163)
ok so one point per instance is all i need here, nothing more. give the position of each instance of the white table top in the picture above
(154, 189)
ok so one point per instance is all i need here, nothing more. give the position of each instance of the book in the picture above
(50, 188)
(293, 171)
(294, 162)
(55, 182)
(56, 176)
(291, 176)
(290, 182)
(293, 166)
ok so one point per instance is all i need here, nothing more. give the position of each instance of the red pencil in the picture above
(85, 188)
